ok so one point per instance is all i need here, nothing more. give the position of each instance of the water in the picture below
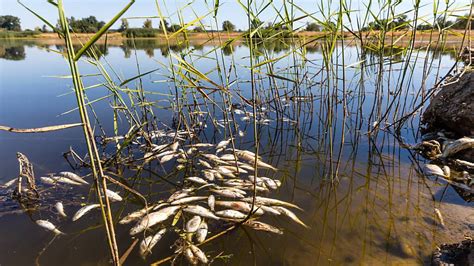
(378, 211)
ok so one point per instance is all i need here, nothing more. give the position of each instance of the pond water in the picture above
(379, 210)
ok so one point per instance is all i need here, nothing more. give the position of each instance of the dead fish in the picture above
(201, 211)
(446, 171)
(167, 158)
(180, 194)
(202, 145)
(149, 242)
(240, 206)
(196, 180)
(457, 146)
(223, 144)
(48, 180)
(199, 254)
(233, 214)
(269, 210)
(158, 148)
(174, 146)
(74, 177)
(226, 172)
(228, 157)
(235, 169)
(82, 211)
(204, 163)
(165, 153)
(193, 224)
(211, 157)
(114, 196)
(270, 201)
(48, 225)
(209, 175)
(211, 201)
(256, 225)
(187, 200)
(188, 253)
(135, 215)
(10, 183)
(433, 169)
(60, 209)
(290, 214)
(227, 193)
(201, 233)
(153, 218)
(62, 179)
(270, 183)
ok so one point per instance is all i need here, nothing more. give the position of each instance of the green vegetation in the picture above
(228, 26)
(10, 23)
(85, 25)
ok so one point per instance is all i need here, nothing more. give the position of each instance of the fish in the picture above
(209, 175)
(201, 211)
(433, 169)
(457, 146)
(167, 158)
(153, 219)
(447, 171)
(223, 144)
(180, 194)
(270, 183)
(74, 177)
(270, 201)
(114, 196)
(201, 233)
(188, 253)
(205, 164)
(257, 225)
(187, 200)
(228, 157)
(227, 193)
(199, 254)
(202, 145)
(50, 226)
(82, 211)
(149, 242)
(47, 180)
(440, 217)
(60, 209)
(136, 215)
(235, 169)
(10, 183)
(269, 210)
(240, 206)
(158, 148)
(62, 179)
(193, 224)
(196, 180)
(174, 146)
(211, 201)
(191, 150)
(211, 157)
(290, 214)
(165, 153)
(233, 214)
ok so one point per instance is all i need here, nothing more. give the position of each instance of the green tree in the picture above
(313, 27)
(148, 24)
(228, 26)
(85, 25)
(124, 26)
(198, 29)
(10, 23)
(161, 25)
(174, 28)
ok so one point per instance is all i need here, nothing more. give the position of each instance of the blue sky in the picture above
(190, 10)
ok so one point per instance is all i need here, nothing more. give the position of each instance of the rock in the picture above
(453, 107)
(454, 254)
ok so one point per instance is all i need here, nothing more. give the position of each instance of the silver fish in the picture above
(199, 254)
(196, 180)
(256, 225)
(60, 209)
(227, 193)
(149, 242)
(188, 253)
(231, 214)
(290, 214)
(269, 210)
(201, 211)
(74, 177)
(153, 218)
(209, 175)
(223, 144)
(167, 158)
(84, 210)
(240, 206)
(270, 183)
(48, 225)
(135, 215)
(211, 201)
(433, 169)
(457, 146)
(180, 194)
(201, 233)
(235, 169)
(270, 201)
(187, 200)
(174, 146)
(204, 163)
(228, 157)
(114, 196)
(48, 180)
(62, 179)
(193, 224)
(10, 183)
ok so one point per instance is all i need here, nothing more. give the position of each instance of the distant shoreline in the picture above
(453, 37)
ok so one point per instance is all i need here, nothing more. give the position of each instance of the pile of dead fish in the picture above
(220, 190)
(445, 162)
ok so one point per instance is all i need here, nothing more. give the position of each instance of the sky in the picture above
(190, 10)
